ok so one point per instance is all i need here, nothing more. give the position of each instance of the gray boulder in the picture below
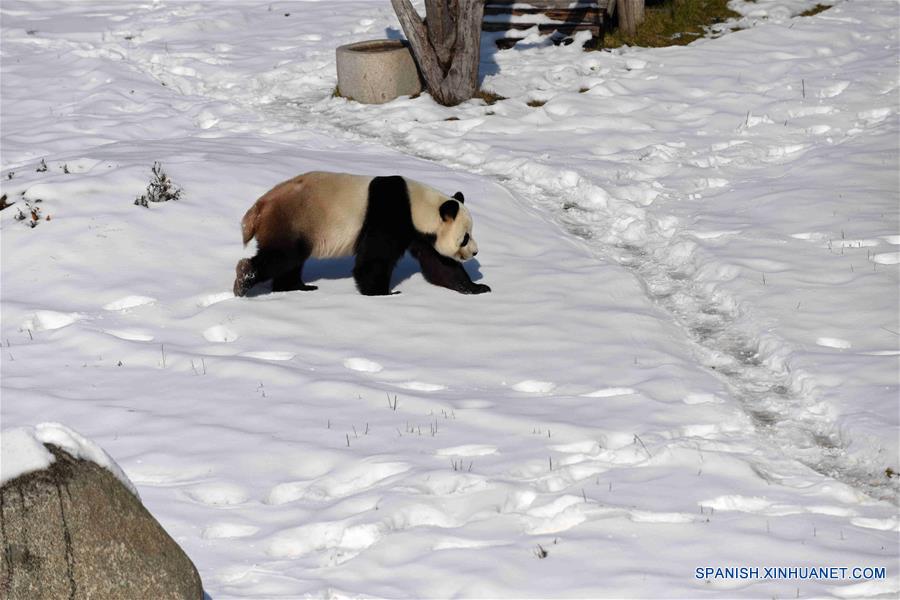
(74, 531)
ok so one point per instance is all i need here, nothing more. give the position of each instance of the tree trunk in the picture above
(631, 14)
(447, 46)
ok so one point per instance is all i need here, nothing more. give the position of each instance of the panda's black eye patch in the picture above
(465, 240)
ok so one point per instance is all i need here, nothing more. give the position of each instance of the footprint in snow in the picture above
(220, 333)
(217, 494)
(532, 386)
(132, 335)
(609, 392)
(701, 399)
(830, 342)
(887, 258)
(219, 531)
(363, 365)
(467, 450)
(128, 302)
(210, 299)
(269, 355)
(48, 320)
(162, 475)
(583, 447)
(420, 386)
(330, 535)
(339, 484)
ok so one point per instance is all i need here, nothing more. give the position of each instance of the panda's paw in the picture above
(479, 288)
(244, 277)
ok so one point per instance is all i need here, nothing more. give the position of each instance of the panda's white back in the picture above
(328, 210)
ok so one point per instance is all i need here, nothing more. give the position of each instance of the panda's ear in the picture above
(449, 210)
(459, 196)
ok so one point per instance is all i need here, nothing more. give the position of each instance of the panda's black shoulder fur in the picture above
(389, 216)
(387, 232)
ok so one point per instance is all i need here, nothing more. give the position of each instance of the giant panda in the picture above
(327, 215)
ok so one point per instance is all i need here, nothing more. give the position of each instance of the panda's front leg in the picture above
(444, 271)
(374, 265)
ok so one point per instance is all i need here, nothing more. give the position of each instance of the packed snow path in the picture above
(332, 444)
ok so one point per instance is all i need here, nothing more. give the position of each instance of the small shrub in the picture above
(160, 189)
(489, 97)
(42, 167)
(32, 214)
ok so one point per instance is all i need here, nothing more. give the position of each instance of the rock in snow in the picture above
(73, 529)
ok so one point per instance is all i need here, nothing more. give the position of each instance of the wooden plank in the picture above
(557, 14)
(544, 28)
(548, 3)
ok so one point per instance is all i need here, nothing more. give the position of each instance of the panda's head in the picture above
(454, 235)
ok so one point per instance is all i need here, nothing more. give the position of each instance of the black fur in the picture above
(459, 196)
(443, 271)
(386, 233)
(449, 210)
(284, 266)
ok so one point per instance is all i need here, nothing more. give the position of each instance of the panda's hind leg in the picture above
(282, 265)
(291, 278)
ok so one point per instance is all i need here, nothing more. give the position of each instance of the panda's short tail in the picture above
(250, 222)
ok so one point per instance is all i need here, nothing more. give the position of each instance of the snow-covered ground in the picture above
(689, 359)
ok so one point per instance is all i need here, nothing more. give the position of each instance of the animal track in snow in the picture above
(584, 447)
(421, 515)
(643, 516)
(712, 235)
(269, 355)
(209, 300)
(834, 90)
(456, 543)
(887, 258)
(128, 302)
(830, 342)
(363, 365)
(336, 485)
(891, 524)
(609, 392)
(701, 399)
(132, 335)
(420, 386)
(161, 475)
(217, 494)
(763, 506)
(220, 333)
(333, 535)
(219, 531)
(48, 320)
(467, 450)
(561, 514)
(531, 386)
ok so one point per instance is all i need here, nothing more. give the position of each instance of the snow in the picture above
(23, 451)
(689, 357)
